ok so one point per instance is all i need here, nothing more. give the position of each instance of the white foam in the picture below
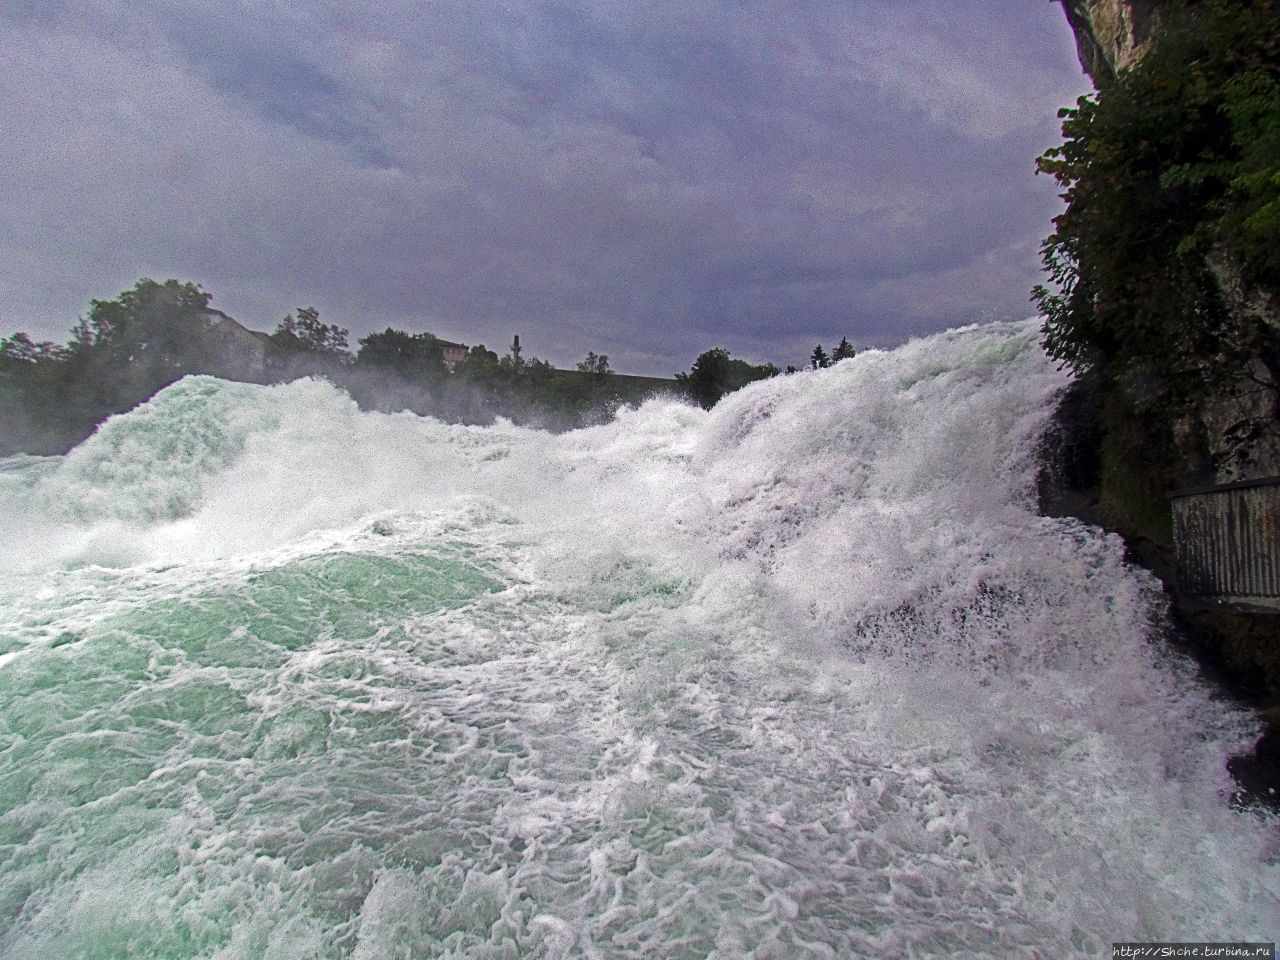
(802, 676)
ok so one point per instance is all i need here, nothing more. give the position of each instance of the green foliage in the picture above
(715, 373)
(145, 309)
(843, 351)
(152, 328)
(1169, 171)
(146, 338)
(126, 349)
(415, 356)
(118, 355)
(36, 393)
(307, 334)
(480, 365)
(20, 348)
(595, 364)
(819, 360)
(531, 370)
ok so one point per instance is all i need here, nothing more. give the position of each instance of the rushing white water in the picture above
(804, 676)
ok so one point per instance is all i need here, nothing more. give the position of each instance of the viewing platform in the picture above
(1227, 539)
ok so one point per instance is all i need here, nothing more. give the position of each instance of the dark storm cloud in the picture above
(599, 175)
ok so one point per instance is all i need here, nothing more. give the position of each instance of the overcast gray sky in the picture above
(643, 180)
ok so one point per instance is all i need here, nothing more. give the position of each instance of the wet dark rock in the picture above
(1258, 773)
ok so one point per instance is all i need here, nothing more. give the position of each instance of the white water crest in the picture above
(802, 676)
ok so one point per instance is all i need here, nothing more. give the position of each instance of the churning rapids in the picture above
(804, 676)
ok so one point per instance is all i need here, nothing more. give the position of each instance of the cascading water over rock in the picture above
(803, 676)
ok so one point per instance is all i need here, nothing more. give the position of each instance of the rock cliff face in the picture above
(234, 351)
(1238, 431)
(1111, 34)
(1243, 422)
(1115, 458)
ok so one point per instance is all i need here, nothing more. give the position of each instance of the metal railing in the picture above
(1227, 540)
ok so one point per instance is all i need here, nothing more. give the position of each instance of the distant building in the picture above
(454, 353)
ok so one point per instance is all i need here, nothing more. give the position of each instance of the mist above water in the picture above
(804, 675)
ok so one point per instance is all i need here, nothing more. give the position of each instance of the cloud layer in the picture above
(590, 174)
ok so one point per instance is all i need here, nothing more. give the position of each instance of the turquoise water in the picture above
(805, 676)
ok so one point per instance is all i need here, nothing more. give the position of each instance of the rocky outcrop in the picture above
(1115, 457)
(1111, 34)
(1239, 427)
(1237, 432)
(229, 350)
(1243, 422)
(233, 351)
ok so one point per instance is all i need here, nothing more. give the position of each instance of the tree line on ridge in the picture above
(126, 349)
